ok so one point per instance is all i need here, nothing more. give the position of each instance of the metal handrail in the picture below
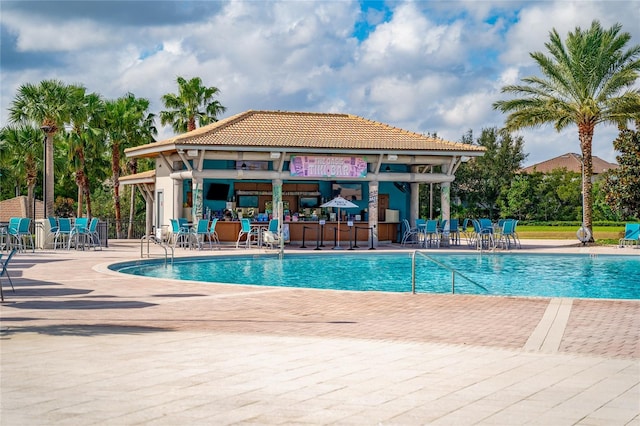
(152, 238)
(447, 267)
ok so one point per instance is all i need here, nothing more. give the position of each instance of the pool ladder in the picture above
(442, 265)
(152, 238)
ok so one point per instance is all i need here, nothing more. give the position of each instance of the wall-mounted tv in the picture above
(218, 192)
(348, 191)
(308, 202)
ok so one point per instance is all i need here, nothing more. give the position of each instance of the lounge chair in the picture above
(3, 271)
(631, 235)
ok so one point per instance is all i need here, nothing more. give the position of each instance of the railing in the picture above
(151, 238)
(447, 267)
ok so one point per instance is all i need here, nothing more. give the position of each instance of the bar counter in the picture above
(387, 231)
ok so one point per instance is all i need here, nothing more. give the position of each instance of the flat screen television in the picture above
(308, 202)
(218, 192)
(247, 201)
(348, 191)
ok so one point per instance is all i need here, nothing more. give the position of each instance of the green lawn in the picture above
(569, 232)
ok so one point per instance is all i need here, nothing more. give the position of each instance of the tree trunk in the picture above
(586, 142)
(79, 175)
(49, 175)
(87, 196)
(115, 171)
(133, 169)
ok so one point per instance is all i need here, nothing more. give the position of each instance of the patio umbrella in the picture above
(340, 203)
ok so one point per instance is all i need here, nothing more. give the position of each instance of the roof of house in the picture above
(572, 162)
(17, 207)
(282, 129)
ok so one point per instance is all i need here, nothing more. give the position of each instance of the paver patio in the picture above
(81, 345)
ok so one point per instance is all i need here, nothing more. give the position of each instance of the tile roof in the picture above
(17, 207)
(282, 129)
(572, 162)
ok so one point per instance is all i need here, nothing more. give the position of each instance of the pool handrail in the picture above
(152, 238)
(447, 267)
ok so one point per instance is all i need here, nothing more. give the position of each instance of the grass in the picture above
(603, 234)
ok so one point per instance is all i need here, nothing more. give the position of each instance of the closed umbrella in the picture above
(340, 203)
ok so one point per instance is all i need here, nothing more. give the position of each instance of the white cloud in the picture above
(431, 67)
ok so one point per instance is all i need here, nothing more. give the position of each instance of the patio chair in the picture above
(94, 237)
(63, 233)
(409, 234)
(12, 233)
(507, 233)
(213, 235)
(454, 232)
(79, 235)
(51, 233)
(631, 235)
(270, 235)
(21, 233)
(4, 272)
(201, 231)
(483, 234)
(179, 235)
(431, 233)
(247, 232)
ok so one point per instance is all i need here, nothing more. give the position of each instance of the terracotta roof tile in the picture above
(278, 129)
(572, 162)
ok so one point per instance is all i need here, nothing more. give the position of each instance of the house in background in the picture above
(572, 162)
(17, 207)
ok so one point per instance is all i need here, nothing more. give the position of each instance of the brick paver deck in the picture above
(289, 355)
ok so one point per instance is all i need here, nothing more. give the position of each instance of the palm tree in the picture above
(44, 105)
(127, 123)
(184, 107)
(84, 139)
(586, 81)
(22, 147)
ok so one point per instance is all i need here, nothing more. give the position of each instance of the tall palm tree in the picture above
(84, 139)
(44, 105)
(127, 123)
(586, 81)
(184, 107)
(22, 146)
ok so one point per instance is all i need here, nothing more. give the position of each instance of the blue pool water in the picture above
(614, 277)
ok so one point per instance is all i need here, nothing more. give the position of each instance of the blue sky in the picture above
(425, 66)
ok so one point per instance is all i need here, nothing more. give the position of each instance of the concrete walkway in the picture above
(81, 345)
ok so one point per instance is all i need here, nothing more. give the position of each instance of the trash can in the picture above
(103, 233)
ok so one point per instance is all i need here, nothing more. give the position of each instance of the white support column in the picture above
(373, 211)
(177, 198)
(414, 203)
(278, 211)
(445, 197)
(196, 211)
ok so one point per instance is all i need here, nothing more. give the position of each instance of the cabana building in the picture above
(264, 164)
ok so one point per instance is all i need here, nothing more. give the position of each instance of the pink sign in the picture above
(312, 166)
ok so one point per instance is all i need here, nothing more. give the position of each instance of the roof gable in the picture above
(572, 162)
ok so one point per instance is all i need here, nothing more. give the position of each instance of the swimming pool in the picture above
(582, 276)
